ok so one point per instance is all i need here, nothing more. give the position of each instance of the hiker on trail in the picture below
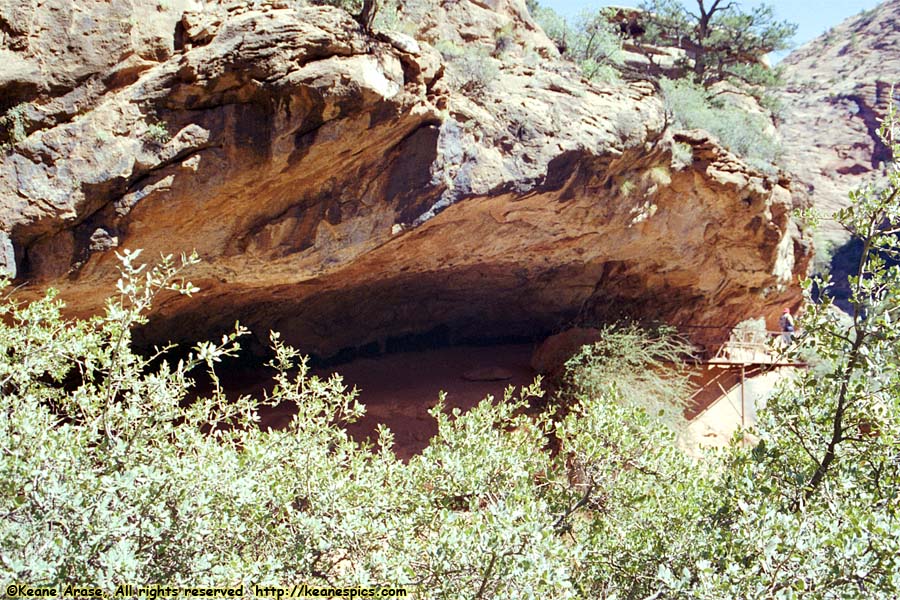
(786, 322)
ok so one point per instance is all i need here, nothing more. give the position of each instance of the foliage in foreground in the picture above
(108, 475)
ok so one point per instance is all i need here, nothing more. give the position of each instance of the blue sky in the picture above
(812, 17)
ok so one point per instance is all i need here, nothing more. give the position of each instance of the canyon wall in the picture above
(837, 90)
(350, 189)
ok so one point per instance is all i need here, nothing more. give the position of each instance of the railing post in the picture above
(743, 400)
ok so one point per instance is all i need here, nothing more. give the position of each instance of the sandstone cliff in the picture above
(348, 190)
(837, 89)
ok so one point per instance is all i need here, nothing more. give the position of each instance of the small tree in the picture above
(364, 11)
(722, 41)
(591, 41)
(812, 510)
(367, 14)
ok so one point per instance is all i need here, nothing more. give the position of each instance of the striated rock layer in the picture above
(837, 90)
(339, 191)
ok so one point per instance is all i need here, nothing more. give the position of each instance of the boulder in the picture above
(551, 355)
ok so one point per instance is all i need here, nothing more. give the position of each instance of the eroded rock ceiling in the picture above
(341, 190)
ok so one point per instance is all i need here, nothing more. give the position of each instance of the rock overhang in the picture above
(332, 199)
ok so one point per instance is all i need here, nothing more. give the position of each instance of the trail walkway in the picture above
(724, 372)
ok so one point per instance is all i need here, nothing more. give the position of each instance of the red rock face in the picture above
(340, 191)
(838, 87)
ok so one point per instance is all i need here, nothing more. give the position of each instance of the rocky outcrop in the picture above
(339, 190)
(838, 87)
(68, 53)
(492, 26)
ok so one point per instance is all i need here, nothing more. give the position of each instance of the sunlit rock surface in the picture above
(339, 190)
(837, 91)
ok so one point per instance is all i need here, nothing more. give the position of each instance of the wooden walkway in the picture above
(744, 355)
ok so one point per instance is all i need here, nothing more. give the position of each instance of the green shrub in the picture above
(818, 493)
(111, 476)
(390, 17)
(157, 132)
(825, 248)
(744, 133)
(13, 126)
(351, 6)
(682, 155)
(636, 365)
(472, 71)
(448, 49)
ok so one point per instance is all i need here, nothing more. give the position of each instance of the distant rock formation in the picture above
(838, 87)
(339, 189)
